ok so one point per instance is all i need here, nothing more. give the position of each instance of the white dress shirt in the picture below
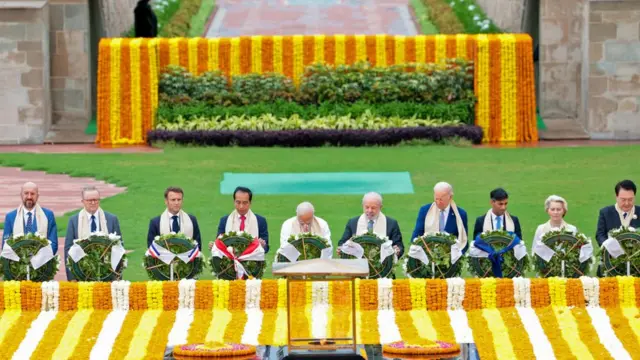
(97, 221)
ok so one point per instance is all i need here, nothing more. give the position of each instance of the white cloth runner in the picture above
(354, 249)
(290, 252)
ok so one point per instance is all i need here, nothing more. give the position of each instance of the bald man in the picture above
(29, 217)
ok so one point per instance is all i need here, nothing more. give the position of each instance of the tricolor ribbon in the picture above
(253, 252)
(166, 256)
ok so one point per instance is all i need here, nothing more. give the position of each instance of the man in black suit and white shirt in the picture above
(623, 213)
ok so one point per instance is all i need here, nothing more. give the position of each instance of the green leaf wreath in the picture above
(223, 268)
(511, 267)
(371, 243)
(567, 246)
(96, 265)
(176, 243)
(437, 246)
(309, 245)
(629, 239)
(26, 246)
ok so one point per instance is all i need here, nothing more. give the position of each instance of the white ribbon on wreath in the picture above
(43, 256)
(76, 253)
(292, 254)
(354, 249)
(613, 247)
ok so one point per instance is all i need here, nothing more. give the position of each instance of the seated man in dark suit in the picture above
(89, 220)
(243, 219)
(374, 220)
(498, 217)
(443, 216)
(623, 213)
(174, 219)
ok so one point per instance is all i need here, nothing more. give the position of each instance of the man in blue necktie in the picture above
(174, 219)
(91, 219)
(498, 218)
(29, 217)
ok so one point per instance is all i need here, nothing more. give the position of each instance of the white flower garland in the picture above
(387, 326)
(34, 335)
(591, 289)
(254, 313)
(187, 294)
(455, 293)
(602, 325)
(50, 296)
(460, 326)
(541, 345)
(522, 292)
(319, 309)
(107, 337)
(120, 295)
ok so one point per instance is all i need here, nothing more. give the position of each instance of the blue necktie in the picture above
(498, 222)
(442, 220)
(624, 216)
(370, 225)
(29, 228)
(94, 227)
(175, 225)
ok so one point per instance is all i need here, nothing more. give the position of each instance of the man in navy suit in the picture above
(498, 217)
(444, 219)
(243, 219)
(624, 212)
(89, 220)
(29, 217)
(174, 219)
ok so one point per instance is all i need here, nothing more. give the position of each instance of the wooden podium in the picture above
(322, 270)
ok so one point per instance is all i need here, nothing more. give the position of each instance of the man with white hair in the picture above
(304, 222)
(373, 220)
(443, 215)
(29, 217)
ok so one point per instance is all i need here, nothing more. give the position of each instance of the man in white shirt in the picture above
(498, 217)
(304, 222)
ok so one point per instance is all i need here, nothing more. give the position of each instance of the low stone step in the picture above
(563, 129)
(65, 136)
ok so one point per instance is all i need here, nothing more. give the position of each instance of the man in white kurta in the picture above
(304, 222)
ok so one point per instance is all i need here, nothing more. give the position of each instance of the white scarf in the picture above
(625, 222)
(84, 227)
(250, 223)
(314, 227)
(379, 226)
(432, 224)
(488, 222)
(186, 226)
(40, 219)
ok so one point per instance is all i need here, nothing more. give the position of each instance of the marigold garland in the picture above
(609, 295)
(520, 341)
(436, 294)
(501, 341)
(588, 335)
(158, 341)
(482, 337)
(90, 334)
(30, 296)
(624, 331)
(16, 333)
(504, 293)
(52, 335)
(129, 326)
(551, 328)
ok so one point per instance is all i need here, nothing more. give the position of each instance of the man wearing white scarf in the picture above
(443, 215)
(305, 221)
(243, 219)
(89, 220)
(29, 217)
(498, 217)
(174, 219)
(374, 220)
(623, 213)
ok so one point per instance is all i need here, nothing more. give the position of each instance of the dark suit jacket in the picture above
(113, 226)
(145, 21)
(477, 229)
(450, 226)
(154, 230)
(393, 232)
(263, 231)
(609, 220)
(52, 228)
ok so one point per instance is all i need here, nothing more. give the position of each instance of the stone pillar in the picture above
(562, 29)
(70, 82)
(24, 72)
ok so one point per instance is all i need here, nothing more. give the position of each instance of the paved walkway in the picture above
(308, 17)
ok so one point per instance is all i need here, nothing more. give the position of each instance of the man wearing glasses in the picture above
(90, 219)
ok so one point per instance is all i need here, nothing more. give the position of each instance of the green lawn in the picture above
(584, 176)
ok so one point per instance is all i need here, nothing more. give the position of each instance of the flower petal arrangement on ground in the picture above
(564, 318)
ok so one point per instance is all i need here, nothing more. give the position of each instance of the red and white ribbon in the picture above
(253, 252)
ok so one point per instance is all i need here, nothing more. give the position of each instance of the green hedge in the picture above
(472, 17)
(462, 111)
(424, 83)
(268, 122)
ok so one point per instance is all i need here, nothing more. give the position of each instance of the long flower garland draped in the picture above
(128, 71)
(564, 318)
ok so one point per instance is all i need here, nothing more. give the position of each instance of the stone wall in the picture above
(507, 14)
(614, 77)
(24, 72)
(116, 16)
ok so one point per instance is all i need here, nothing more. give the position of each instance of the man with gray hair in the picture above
(373, 220)
(90, 219)
(442, 216)
(304, 222)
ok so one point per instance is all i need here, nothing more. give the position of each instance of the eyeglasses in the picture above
(92, 200)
